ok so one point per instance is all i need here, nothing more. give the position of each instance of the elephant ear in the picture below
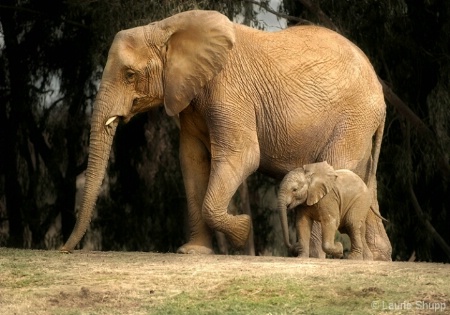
(196, 50)
(322, 177)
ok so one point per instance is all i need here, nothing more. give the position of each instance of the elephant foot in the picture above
(355, 256)
(316, 251)
(65, 250)
(239, 230)
(336, 250)
(367, 255)
(377, 240)
(194, 249)
(297, 250)
(302, 254)
(381, 256)
(380, 248)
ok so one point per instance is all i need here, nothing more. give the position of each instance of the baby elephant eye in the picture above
(294, 189)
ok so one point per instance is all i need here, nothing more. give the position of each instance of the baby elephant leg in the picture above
(315, 243)
(329, 229)
(303, 226)
(357, 239)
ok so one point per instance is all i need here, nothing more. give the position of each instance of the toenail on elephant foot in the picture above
(65, 251)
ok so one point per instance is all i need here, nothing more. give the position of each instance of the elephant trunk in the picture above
(101, 139)
(282, 211)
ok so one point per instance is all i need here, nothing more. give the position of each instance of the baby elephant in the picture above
(338, 199)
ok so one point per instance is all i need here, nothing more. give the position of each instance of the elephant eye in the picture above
(130, 76)
(294, 189)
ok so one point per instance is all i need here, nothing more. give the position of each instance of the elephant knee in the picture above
(216, 219)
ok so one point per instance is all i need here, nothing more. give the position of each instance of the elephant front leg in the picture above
(224, 180)
(315, 243)
(195, 166)
(304, 225)
(329, 228)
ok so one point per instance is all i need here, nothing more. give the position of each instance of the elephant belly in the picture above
(277, 165)
(299, 145)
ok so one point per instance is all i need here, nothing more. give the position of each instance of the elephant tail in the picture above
(376, 152)
(372, 182)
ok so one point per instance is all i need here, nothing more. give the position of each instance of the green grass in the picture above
(269, 295)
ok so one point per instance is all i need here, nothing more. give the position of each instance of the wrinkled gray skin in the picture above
(339, 200)
(247, 100)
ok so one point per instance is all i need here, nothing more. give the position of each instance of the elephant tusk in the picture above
(110, 120)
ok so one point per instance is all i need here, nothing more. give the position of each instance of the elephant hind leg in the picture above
(356, 239)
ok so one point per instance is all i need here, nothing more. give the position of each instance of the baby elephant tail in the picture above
(378, 215)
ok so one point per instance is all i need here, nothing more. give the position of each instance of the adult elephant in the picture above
(247, 100)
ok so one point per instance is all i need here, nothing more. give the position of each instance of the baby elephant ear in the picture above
(322, 178)
(196, 51)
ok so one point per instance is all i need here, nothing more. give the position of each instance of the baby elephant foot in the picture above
(297, 250)
(193, 249)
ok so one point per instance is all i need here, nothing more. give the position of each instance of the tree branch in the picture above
(47, 112)
(423, 218)
(418, 124)
(35, 12)
(278, 14)
(314, 7)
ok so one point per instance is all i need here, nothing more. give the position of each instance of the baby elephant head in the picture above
(304, 185)
(307, 184)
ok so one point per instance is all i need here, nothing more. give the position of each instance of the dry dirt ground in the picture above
(47, 282)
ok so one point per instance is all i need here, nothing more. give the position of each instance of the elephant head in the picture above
(167, 62)
(304, 185)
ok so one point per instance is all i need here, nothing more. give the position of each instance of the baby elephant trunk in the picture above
(282, 211)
